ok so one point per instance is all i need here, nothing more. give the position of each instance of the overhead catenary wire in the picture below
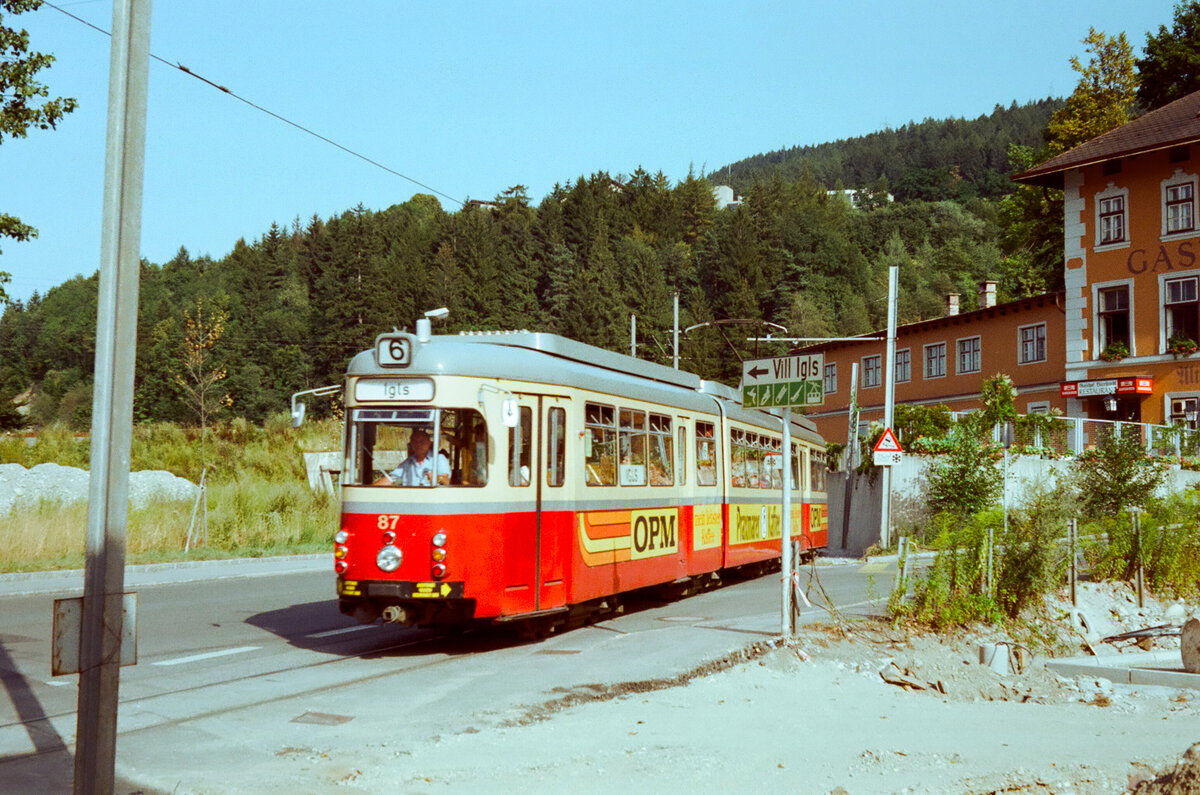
(180, 67)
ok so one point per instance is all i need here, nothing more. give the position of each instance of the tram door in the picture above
(533, 562)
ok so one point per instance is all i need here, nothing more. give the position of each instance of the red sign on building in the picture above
(1125, 385)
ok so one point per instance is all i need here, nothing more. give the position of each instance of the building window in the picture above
(1112, 220)
(1183, 317)
(1185, 411)
(1113, 308)
(1033, 343)
(903, 365)
(871, 371)
(969, 358)
(830, 378)
(935, 360)
(1180, 209)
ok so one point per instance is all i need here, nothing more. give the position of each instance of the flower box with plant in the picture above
(1181, 346)
(1114, 352)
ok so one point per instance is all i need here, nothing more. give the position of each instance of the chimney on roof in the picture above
(952, 304)
(987, 294)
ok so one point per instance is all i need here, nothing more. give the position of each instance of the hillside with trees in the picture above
(236, 336)
(286, 311)
(930, 160)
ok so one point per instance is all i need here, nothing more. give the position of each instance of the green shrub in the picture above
(913, 422)
(966, 479)
(1030, 560)
(1169, 542)
(1117, 475)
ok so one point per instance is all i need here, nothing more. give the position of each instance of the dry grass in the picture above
(259, 502)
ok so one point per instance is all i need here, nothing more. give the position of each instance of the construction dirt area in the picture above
(874, 709)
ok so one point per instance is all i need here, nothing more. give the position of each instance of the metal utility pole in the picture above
(885, 524)
(112, 405)
(785, 561)
(632, 334)
(851, 456)
(675, 349)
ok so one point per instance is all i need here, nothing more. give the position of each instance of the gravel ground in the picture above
(816, 718)
(873, 710)
(21, 487)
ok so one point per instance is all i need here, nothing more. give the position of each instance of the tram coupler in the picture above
(395, 614)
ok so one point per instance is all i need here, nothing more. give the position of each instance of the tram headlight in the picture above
(439, 539)
(341, 537)
(389, 558)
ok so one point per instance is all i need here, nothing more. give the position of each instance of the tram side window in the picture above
(797, 461)
(816, 470)
(772, 469)
(745, 468)
(519, 448)
(682, 454)
(556, 446)
(706, 454)
(633, 448)
(662, 453)
(600, 445)
(418, 447)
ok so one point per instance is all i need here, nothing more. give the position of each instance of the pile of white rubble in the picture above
(24, 488)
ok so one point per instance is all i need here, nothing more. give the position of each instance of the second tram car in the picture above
(518, 475)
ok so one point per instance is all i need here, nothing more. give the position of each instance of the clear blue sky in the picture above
(473, 97)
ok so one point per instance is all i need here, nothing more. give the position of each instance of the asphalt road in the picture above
(244, 656)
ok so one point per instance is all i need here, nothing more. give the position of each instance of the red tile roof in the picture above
(1171, 125)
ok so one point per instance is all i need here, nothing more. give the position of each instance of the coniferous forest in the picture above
(236, 336)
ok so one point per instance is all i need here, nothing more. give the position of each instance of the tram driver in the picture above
(418, 468)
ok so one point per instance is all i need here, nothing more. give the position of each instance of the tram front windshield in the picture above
(414, 448)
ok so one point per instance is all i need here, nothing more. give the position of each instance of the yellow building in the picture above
(1130, 251)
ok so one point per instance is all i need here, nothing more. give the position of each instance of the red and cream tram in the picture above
(560, 475)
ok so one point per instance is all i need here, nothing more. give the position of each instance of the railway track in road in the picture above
(282, 676)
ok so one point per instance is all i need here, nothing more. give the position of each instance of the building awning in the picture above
(1126, 385)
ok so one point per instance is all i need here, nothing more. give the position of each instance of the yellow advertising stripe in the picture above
(596, 546)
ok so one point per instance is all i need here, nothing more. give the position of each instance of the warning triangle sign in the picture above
(887, 443)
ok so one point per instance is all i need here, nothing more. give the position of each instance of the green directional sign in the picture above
(783, 382)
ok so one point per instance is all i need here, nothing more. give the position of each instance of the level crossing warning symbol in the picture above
(887, 450)
(887, 443)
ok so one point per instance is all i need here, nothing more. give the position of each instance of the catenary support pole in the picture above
(632, 334)
(786, 562)
(675, 346)
(112, 403)
(850, 458)
(889, 398)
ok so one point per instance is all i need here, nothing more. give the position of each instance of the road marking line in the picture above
(342, 631)
(208, 655)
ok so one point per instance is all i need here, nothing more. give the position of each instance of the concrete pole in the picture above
(885, 523)
(786, 562)
(675, 349)
(851, 456)
(112, 403)
(632, 334)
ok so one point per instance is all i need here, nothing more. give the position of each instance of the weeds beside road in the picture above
(259, 502)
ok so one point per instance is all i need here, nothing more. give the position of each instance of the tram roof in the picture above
(504, 354)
